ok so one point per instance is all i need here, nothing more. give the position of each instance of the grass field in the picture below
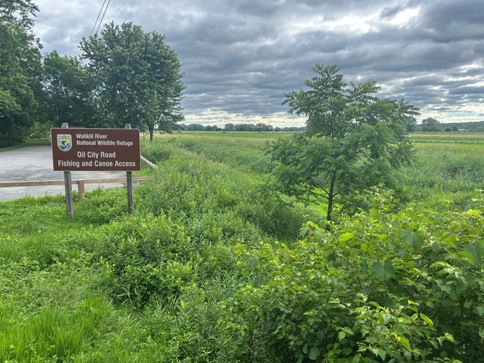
(448, 167)
(211, 267)
(445, 137)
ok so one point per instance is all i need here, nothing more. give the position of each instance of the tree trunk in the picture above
(332, 183)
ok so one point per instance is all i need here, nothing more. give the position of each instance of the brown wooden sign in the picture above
(96, 149)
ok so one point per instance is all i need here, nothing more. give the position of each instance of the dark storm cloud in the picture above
(449, 20)
(240, 57)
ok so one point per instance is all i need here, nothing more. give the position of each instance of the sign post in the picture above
(129, 183)
(68, 188)
(82, 149)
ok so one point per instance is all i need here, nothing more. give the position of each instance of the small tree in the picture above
(353, 141)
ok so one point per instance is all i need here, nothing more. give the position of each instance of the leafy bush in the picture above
(380, 286)
(144, 258)
(185, 278)
(193, 187)
(102, 206)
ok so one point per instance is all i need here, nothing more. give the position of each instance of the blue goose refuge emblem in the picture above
(64, 142)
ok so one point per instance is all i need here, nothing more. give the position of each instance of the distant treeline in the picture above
(260, 127)
(453, 126)
(235, 127)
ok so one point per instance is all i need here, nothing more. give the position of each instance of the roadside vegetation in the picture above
(335, 244)
(124, 75)
(214, 267)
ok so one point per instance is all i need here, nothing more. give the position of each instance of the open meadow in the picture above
(449, 167)
(213, 267)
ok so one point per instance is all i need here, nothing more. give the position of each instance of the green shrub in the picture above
(380, 286)
(192, 188)
(144, 258)
(102, 206)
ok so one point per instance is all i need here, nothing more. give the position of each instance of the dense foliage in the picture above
(137, 77)
(430, 124)
(354, 140)
(212, 268)
(68, 89)
(381, 286)
(19, 70)
(130, 77)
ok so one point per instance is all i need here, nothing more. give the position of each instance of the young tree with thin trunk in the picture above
(354, 140)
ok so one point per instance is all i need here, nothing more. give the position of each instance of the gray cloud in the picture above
(240, 57)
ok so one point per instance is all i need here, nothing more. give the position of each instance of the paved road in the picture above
(34, 163)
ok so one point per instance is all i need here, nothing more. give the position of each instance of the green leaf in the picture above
(314, 353)
(356, 358)
(426, 319)
(440, 340)
(473, 213)
(444, 287)
(441, 264)
(413, 239)
(346, 236)
(404, 341)
(476, 251)
(450, 239)
(383, 272)
(466, 256)
(449, 337)
(480, 310)
(303, 231)
(379, 352)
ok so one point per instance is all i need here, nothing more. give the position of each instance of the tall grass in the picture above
(446, 172)
(204, 182)
(244, 151)
(110, 287)
(155, 285)
(448, 167)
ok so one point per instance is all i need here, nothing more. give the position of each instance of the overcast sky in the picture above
(239, 57)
